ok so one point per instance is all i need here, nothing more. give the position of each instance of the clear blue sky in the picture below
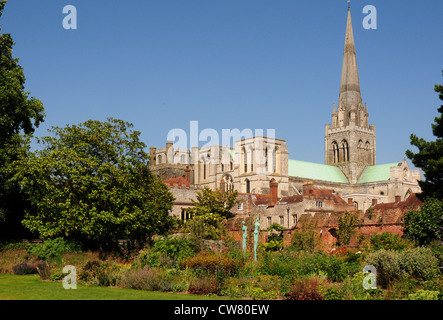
(231, 64)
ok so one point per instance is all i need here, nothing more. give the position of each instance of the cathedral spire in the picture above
(350, 96)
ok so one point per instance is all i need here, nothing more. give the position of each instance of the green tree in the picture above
(347, 227)
(19, 116)
(429, 157)
(91, 183)
(209, 213)
(275, 238)
(423, 226)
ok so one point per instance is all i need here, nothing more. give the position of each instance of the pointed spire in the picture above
(350, 85)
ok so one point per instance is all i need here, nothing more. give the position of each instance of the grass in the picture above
(30, 287)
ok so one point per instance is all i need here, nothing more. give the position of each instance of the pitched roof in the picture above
(316, 171)
(177, 181)
(411, 202)
(376, 173)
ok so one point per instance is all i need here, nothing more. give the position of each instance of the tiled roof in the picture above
(411, 202)
(316, 171)
(177, 181)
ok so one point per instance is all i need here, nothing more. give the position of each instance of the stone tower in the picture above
(349, 140)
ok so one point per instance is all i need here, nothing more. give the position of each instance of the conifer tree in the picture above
(429, 157)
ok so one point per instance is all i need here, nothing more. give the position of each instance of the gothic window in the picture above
(245, 160)
(231, 165)
(345, 150)
(183, 159)
(159, 159)
(204, 167)
(229, 183)
(336, 152)
(274, 160)
(252, 159)
(248, 186)
(368, 152)
(266, 159)
(361, 151)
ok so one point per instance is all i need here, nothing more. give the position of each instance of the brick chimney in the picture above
(188, 174)
(273, 186)
(307, 188)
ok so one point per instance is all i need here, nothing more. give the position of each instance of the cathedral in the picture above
(279, 189)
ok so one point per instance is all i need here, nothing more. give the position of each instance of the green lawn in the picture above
(30, 287)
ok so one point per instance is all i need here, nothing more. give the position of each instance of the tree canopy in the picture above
(209, 213)
(429, 157)
(91, 182)
(20, 114)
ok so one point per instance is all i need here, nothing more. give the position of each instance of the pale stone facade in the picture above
(350, 171)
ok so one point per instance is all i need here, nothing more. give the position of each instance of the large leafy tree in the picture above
(19, 116)
(91, 182)
(209, 213)
(423, 226)
(430, 156)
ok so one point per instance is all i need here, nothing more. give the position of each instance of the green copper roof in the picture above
(376, 173)
(315, 171)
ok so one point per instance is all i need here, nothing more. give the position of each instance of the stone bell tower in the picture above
(349, 139)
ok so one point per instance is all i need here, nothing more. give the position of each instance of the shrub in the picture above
(387, 264)
(100, 273)
(212, 263)
(24, 268)
(260, 294)
(204, 285)
(168, 252)
(419, 263)
(389, 241)
(53, 248)
(305, 289)
(44, 270)
(424, 295)
(145, 279)
(236, 287)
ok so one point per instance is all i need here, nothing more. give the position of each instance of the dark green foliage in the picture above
(347, 226)
(423, 226)
(52, 249)
(170, 251)
(91, 182)
(389, 241)
(429, 157)
(19, 116)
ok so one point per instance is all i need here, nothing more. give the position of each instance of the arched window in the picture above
(266, 159)
(248, 186)
(360, 151)
(274, 160)
(336, 152)
(245, 160)
(229, 183)
(203, 167)
(345, 150)
(368, 152)
(251, 159)
(159, 159)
